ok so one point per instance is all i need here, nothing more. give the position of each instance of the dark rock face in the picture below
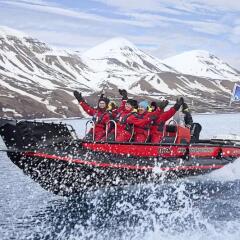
(36, 81)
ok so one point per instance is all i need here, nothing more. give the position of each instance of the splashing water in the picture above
(171, 211)
(199, 208)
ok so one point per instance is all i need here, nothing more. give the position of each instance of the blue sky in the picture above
(162, 28)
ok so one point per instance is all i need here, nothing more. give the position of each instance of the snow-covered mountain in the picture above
(203, 64)
(37, 80)
(119, 55)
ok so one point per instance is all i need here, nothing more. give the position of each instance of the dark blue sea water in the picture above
(201, 208)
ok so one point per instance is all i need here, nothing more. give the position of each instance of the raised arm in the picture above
(123, 93)
(87, 108)
(137, 121)
(163, 117)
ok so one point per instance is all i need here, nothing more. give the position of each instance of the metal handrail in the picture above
(132, 133)
(93, 127)
(148, 134)
(72, 131)
(115, 128)
(165, 126)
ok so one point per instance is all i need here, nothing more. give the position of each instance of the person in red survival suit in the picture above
(100, 116)
(112, 109)
(188, 121)
(127, 119)
(157, 108)
(141, 132)
(114, 112)
(153, 106)
(159, 119)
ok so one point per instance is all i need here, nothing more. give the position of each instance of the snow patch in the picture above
(108, 47)
(16, 114)
(7, 31)
(202, 63)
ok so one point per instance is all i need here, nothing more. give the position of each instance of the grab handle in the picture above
(115, 128)
(93, 127)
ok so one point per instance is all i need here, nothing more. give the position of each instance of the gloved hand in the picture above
(162, 104)
(185, 108)
(123, 93)
(179, 103)
(78, 96)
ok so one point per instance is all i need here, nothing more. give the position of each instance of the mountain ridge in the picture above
(203, 64)
(37, 80)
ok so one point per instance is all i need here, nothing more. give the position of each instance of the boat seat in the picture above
(169, 134)
(171, 128)
(195, 132)
(174, 133)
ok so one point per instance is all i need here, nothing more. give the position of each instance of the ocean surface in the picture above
(198, 208)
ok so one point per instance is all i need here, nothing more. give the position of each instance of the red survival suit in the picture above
(100, 118)
(142, 131)
(125, 121)
(157, 126)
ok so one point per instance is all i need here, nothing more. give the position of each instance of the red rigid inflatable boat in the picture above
(52, 155)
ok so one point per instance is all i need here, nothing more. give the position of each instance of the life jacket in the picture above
(111, 125)
(123, 120)
(159, 126)
(111, 114)
(141, 116)
(98, 119)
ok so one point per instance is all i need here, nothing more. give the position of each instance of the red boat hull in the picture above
(62, 164)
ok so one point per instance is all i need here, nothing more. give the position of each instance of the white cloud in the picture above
(58, 10)
(235, 35)
(224, 5)
(133, 4)
(161, 27)
(175, 5)
(65, 40)
(177, 43)
(236, 30)
(150, 5)
(145, 20)
(207, 26)
(41, 2)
